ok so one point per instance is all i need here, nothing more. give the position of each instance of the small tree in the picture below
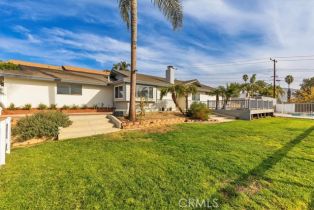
(187, 90)
(217, 92)
(289, 79)
(176, 91)
(231, 90)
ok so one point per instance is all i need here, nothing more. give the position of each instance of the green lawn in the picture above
(263, 164)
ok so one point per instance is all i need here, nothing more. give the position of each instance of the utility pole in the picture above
(274, 81)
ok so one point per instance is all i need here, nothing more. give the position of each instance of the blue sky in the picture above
(215, 33)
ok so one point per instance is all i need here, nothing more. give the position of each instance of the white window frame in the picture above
(119, 91)
(70, 87)
(150, 90)
(196, 97)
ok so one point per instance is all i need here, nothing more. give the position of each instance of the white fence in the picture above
(306, 108)
(5, 139)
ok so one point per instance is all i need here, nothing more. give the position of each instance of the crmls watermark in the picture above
(198, 203)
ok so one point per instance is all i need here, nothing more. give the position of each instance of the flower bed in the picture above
(152, 122)
(33, 111)
(158, 119)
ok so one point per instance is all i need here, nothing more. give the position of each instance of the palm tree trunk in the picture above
(186, 103)
(132, 110)
(217, 101)
(174, 98)
(289, 93)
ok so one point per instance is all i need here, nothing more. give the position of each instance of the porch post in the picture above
(8, 134)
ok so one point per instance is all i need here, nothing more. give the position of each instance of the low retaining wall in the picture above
(115, 121)
(246, 114)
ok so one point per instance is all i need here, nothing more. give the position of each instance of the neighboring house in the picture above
(66, 85)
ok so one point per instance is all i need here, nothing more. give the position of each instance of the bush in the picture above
(41, 125)
(11, 106)
(27, 107)
(75, 106)
(65, 107)
(9, 66)
(84, 106)
(42, 106)
(53, 106)
(199, 111)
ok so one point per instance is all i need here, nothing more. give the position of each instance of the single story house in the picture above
(66, 85)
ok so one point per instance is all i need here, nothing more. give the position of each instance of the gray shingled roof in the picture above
(160, 81)
(46, 74)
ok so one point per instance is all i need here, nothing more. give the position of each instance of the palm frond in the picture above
(172, 10)
(125, 8)
(164, 92)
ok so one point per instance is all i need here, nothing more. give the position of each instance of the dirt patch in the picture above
(29, 143)
(251, 189)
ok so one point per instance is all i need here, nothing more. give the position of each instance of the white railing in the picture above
(240, 104)
(5, 139)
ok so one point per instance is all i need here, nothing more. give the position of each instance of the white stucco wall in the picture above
(21, 92)
(203, 98)
(91, 95)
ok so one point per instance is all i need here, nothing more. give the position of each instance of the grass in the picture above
(263, 164)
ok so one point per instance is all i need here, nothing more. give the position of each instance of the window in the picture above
(196, 97)
(118, 92)
(144, 91)
(69, 89)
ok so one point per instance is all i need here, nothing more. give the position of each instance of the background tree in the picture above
(172, 10)
(121, 66)
(176, 91)
(245, 78)
(217, 92)
(306, 92)
(249, 88)
(289, 79)
(230, 91)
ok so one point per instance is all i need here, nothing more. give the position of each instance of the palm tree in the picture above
(172, 10)
(123, 66)
(176, 91)
(231, 90)
(187, 90)
(289, 79)
(245, 77)
(217, 92)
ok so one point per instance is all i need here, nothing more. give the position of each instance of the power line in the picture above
(297, 56)
(306, 59)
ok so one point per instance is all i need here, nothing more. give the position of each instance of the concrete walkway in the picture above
(221, 119)
(87, 125)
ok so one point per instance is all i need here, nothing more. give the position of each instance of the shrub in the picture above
(199, 111)
(65, 107)
(41, 125)
(75, 106)
(53, 106)
(9, 66)
(11, 106)
(42, 106)
(27, 106)
(84, 106)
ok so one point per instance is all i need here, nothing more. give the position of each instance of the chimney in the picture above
(170, 74)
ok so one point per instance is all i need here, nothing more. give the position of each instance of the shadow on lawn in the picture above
(243, 183)
(311, 204)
